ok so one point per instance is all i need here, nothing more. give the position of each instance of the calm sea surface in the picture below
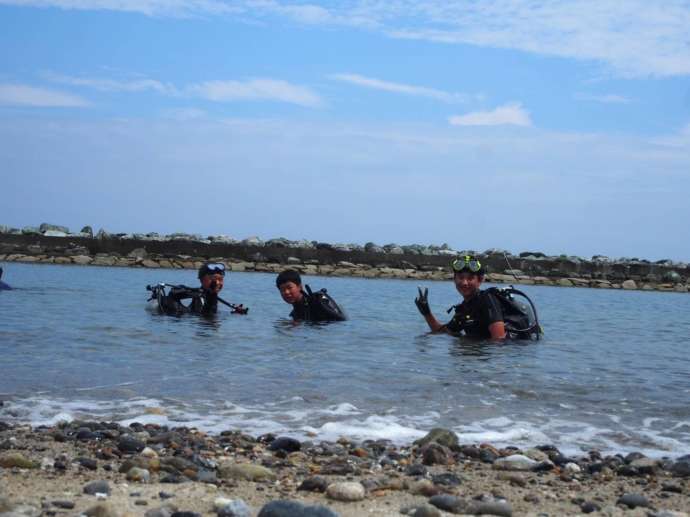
(612, 373)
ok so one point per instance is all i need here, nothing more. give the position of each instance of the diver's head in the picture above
(468, 274)
(289, 283)
(212, 276)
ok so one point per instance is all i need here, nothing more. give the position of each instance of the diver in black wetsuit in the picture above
(3, 285)
(479, 315)
(307, 305)
(204, 299)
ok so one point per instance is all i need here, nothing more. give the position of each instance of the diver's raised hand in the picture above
(422, 301)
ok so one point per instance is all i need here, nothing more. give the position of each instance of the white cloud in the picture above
(406, 89)
(24, 95)
(111, 85)
(257, 89)
(604, 99)
(510, 114)
(177, 8)
(634, 38)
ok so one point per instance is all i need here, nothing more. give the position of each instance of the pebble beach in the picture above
(107, 470)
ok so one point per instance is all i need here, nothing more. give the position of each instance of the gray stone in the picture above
(633, 501)
(435, 454)
(424, 510)
(232, 508)
(629, 284)
(97, 487)
(138, 474)
(441, 436)
(681, 467)
(314, 484)
(247, 471)
(282, 508)
(129, 444)
(252, 241)
(30, 230)
(139, 253)
(101, 510)
(501, 508)
(54, 233)
(448, 503)
(515, 462)
(346, 491)
(285, 443)
(644, 465)
(46, 227)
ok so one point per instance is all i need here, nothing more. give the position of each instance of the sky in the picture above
(561, 127)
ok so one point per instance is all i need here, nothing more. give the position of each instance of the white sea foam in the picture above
(295, 417)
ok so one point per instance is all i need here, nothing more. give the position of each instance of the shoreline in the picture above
(148, 469)
(52, 244)
(340, 269)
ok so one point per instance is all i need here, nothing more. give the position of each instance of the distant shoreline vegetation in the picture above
(54, 244)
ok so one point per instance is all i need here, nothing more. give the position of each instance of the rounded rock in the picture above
(346, 491)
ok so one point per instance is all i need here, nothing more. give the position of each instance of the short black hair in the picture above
(289, 275)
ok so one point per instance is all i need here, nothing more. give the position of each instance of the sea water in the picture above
(612, 371)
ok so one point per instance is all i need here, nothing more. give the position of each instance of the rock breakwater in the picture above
(54, 244)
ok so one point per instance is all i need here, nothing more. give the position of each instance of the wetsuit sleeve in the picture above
(453, 326)
(491, 311)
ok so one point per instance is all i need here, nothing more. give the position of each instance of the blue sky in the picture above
(558, 127)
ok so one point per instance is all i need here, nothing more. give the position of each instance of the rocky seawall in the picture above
(51, 244)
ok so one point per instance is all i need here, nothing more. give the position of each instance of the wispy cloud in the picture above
(510, 114)
(112, 85)
(257, 89)
(24, 95)
(406, 89)
(176, 8)
(635, 38)
(605, 99)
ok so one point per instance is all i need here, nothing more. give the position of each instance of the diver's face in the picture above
(467, 283)
(207, 280)
(291, 292)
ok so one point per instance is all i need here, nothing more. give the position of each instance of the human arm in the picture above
(491, 310)
(422, 303)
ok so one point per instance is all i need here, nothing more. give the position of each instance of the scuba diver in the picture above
(493, 313)
(3, 285)
(307, 305)
(204, 299)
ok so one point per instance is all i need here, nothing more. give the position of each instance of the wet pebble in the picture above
(314, 484)
(286, 444)
(633, 501)
(435, 454)
(141, 502)
(128, 444)
(97, 487)
(346, 491)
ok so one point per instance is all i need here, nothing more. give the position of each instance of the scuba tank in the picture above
(322, 307)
